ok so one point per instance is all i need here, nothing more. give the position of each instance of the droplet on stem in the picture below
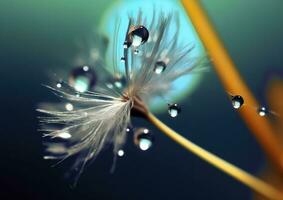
(262, 111)
(237, 101)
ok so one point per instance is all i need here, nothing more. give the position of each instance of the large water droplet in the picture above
(237, 101)
(143, 138)
(174, 110)
(82, 78)
(159, 67)
(138, 36)
(262, 111)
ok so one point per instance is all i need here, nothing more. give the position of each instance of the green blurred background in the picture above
(38, 36)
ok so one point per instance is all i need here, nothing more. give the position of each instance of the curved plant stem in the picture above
(233, 83)
(247, 179)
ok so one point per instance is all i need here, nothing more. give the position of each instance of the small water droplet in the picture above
(262, 111)
(159, 67)
(143, 138)
(138, 36)
(82, 78)
(125, 45)
(237, 101)
(69, 107)
(122, 60)
(64, 135)
(136, 51)
(174, 110)
(59, 85)
(121, 152)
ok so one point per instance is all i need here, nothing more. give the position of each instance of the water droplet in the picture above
(121, 152)
(136, 51)
(159, 67)
(82, 79)
(237, 101)
(125, 45)
(59, 85)
(122, 60)
(64, 135)
(69, 107)
(174, 110)
(143, 138)
(138, 36)
(262, 111)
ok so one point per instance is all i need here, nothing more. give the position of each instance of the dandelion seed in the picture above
(103, 115)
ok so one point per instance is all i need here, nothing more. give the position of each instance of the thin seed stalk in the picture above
(242, 176)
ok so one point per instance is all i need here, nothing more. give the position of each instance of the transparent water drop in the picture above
(174, 110)
(138, 36)
(159, 67)
(64, 135)
(69, 107)
(59, 85)
(82, 78)
(122, 59)
(262, 111)
(136, 51)
(125, 45)
(121, 152)
(237, 101)
(143, 138)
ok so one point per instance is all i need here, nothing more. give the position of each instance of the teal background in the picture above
(37, 37)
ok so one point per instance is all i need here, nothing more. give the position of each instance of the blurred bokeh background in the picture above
(37, 37)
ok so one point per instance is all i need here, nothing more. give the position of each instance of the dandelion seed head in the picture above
(103, 113)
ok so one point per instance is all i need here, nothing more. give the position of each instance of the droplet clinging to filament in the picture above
(138, 36)
(159, 67)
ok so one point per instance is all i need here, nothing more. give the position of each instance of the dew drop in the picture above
(64, 135)
(138, 36)
(121, 153)
(143, 138)
(82, 78)
(262, 111)
(59, 85)
(69, 107)
(122, 59)
(174, 110)
(159, 67)
(125, 45)
(136, 51)
(237, 101)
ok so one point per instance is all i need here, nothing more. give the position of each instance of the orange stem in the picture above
(233, 83)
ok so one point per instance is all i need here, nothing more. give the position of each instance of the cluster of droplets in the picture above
(238, 102)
